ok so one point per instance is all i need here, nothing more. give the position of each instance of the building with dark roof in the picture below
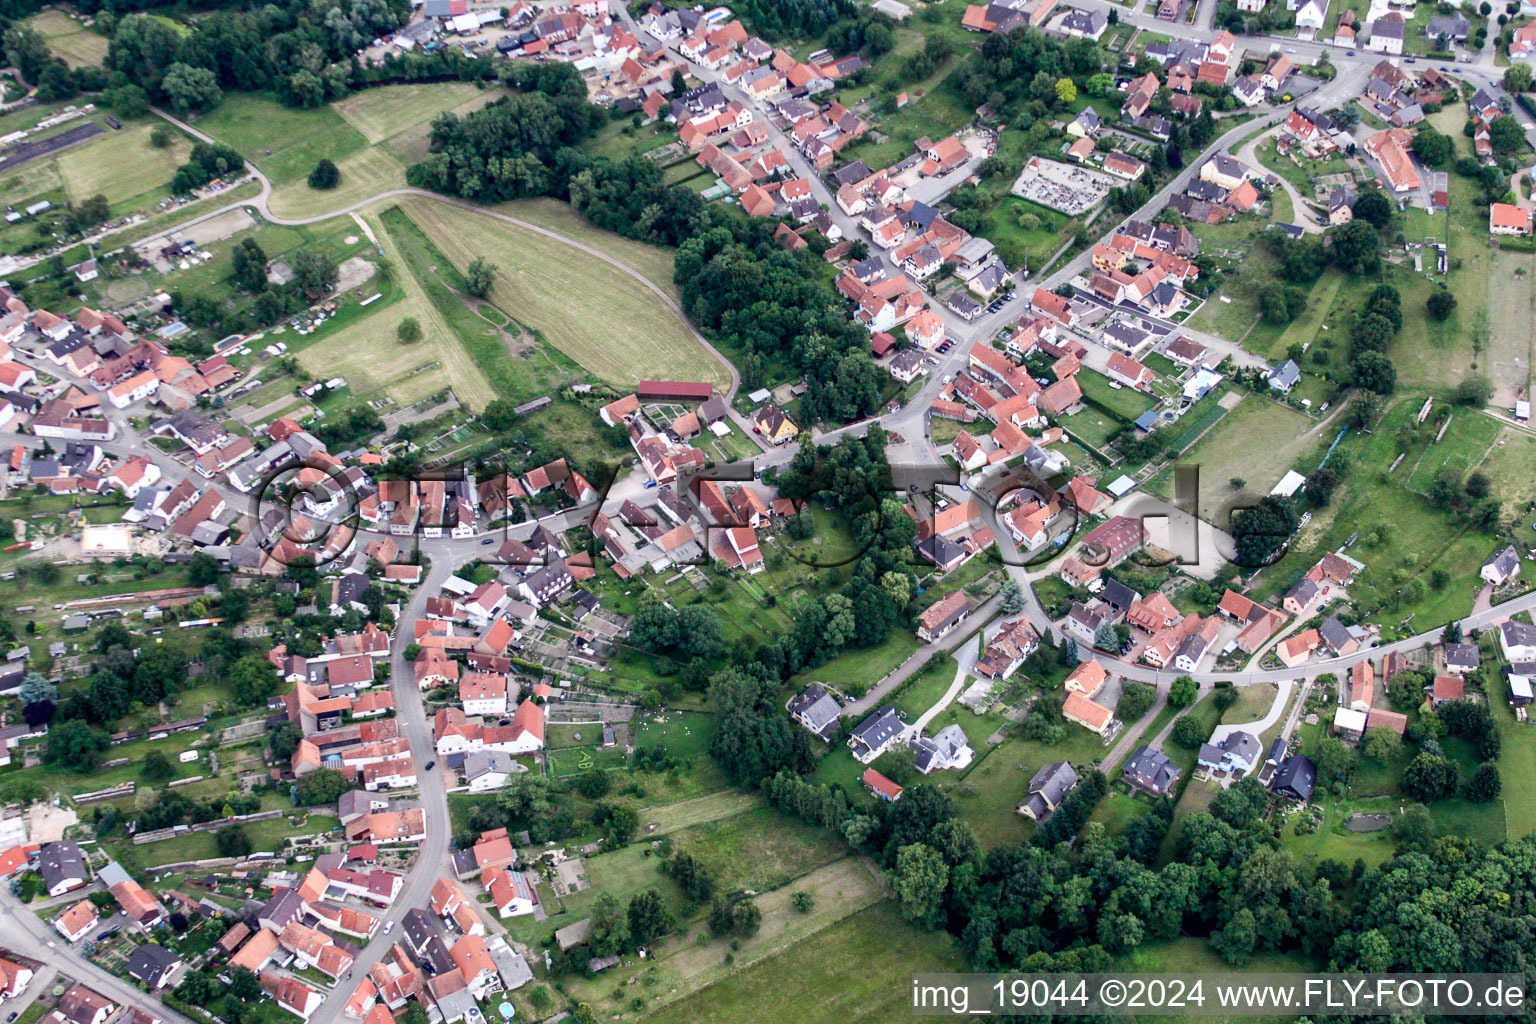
(1150, 771)
(62, 865)
(869, 740)
(816, 709)
(1047, 789)
(152, 964)
(1295, 778)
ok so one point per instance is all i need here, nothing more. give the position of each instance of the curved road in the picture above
(262, 203)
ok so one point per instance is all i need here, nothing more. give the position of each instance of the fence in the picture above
(161, 834)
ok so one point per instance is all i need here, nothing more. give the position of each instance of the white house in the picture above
(1517, 641)
(487, 770)
(511, 894)
(1502, 567)
(483, 693)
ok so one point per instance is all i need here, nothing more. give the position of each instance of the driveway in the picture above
(1263, 725)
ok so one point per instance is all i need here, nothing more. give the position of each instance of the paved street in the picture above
(26, 933)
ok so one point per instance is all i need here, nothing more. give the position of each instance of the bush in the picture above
(1188, 732)
(324, 176)
(1441, 303)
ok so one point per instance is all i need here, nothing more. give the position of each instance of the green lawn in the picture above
(1228, 452)
(1126, 403)
(1422, 537)
(284, 142)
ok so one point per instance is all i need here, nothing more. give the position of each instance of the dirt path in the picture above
(1304, 218)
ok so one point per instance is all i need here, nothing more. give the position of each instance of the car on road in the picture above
(11, 1017)
(488, 540)
(1411, 60)
(430, 766)
(1290, 49)
(948, 377)
(1351, 53)
(389, 927)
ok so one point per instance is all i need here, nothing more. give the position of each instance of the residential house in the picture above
(1094, 717)
(1295, 778)
(1237, 753)
(1446, 689)
(880, 787)
(1502, 566)
(1047, 789)
(1517, 641)
(816, 709)
(1461, 658)
(1150, 771)
(948, 748)
(1506, 219)
(942, 616)
(877, 732)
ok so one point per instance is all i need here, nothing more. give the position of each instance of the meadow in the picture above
(369, 355)
(841, 975)
(68, 38)
(605, 319)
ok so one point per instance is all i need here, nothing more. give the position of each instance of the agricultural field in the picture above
(653, 262)
(552, 287)
(381, 113)
(371, 137)
(68, 38)
(364, 174)
(284, 143)
(518, 364)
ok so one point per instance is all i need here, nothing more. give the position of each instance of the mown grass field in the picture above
(758, 849)
(682, 965)
(1422, 538)
(79, 46)
(364, 173)
(604, 319)
(283, 142)
(654, 262)
(852, 972)
(369, 356)
(517, 367)
(121, 165)
(1228, 451)
(385, 111)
